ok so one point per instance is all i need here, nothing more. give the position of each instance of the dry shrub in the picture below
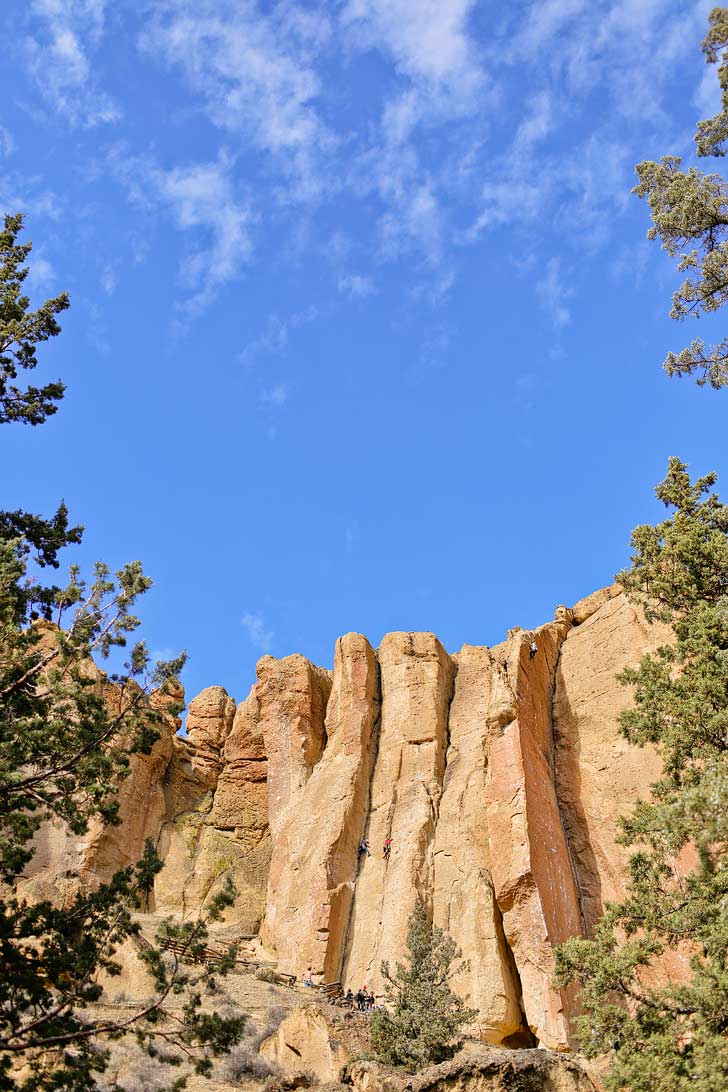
(132, 1070)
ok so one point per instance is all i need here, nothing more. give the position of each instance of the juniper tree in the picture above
(67, 732)
(689, 211)
(670, 1037)
(425, 1018)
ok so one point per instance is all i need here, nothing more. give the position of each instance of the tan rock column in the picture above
(140, 797)
(416, 679)
(463, 899)
(195, 858)
(532, 869)
(315, 851)
(600, 773)
(209, 720)
(292, 695)
(240, 811)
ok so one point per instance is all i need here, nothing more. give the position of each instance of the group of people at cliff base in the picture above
(386, 848)
(362, 1000)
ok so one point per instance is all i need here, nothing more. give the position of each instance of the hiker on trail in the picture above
(349, 999)
(364, 848)
(359, 998)
(387, 848)
(532, 650)
(308, 978)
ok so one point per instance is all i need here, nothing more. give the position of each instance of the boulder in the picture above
(306, 1041)
(490, 1070)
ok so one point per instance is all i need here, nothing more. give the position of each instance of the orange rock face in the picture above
(464, 900)
(531, 864)
(313, 866)
(493, 777)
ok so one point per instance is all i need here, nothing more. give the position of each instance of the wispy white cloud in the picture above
(356, 285)
(435, 290)
(625, 47)
(275, 337)
(427, 39)
(526, 390)
(7, 143)
(201, 198)
(256, 74)
(708, 94)
(535, 125)
(578, 192)
(337, 247)
(415, 221)
(258, 633)
(27, 194)
(466, 130)
(435, 348)
(41, 274)
(553, 294)
(57, 56)
(109, 280)
(275, 397)
(440, 80)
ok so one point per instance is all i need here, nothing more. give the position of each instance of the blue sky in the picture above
(365, 331)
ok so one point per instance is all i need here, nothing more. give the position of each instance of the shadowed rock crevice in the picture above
(567, 779)
(523, 1037)
(532, 875)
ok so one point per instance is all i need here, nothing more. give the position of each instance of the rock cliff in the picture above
(497, 773)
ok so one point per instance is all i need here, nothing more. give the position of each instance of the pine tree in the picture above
(21, 330)
(689, 211)
(423, 1024)
(66, 737)
(671, 1037)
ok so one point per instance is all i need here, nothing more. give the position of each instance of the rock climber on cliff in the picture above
(364, 848)
(387, 847)
(532, 650)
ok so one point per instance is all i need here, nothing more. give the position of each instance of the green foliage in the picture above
(689, 211)
(67, 735)
(670, 1037)
(21, 330)
(424, 1019)
(713, 133)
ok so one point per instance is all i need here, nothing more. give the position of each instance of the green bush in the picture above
(422, 1026)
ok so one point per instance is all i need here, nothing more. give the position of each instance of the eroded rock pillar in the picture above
(315, 850)
(464, 899)
(532, 870)
(416, 681)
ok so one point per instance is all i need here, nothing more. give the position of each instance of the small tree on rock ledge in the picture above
(425, 1018)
